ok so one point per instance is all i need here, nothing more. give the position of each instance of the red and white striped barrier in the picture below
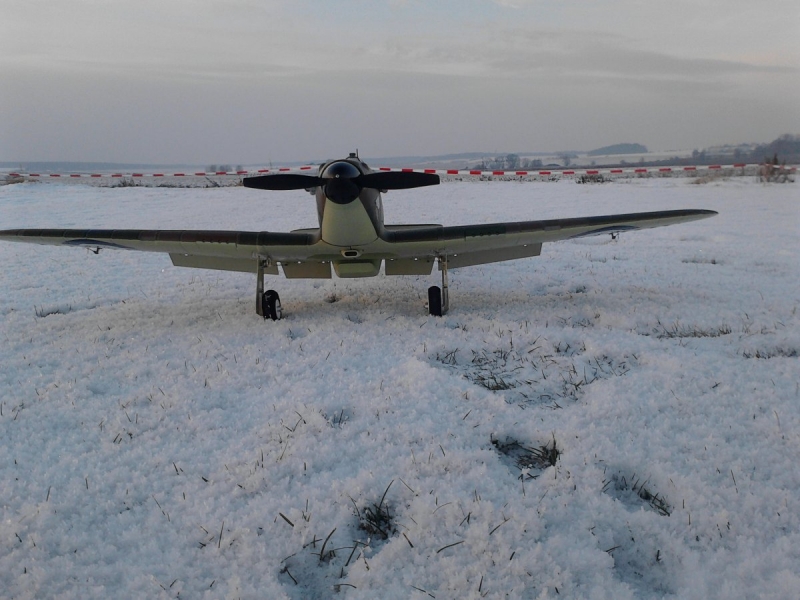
(566, 172)
(142, 175)
(574, 172)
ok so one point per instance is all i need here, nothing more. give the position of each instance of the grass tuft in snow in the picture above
(701, 260)
(42, 312)
(376, 518)
(626, 489)
(490, 369)
(535, 374)
(529, 459)
(680, 331)
(768, 353)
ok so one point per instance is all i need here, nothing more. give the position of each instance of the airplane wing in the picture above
(467, 245)
(303, 254)
(224, 250)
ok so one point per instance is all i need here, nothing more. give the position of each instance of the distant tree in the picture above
(787, 147)
(774, 169)
(535, 163)
(512, 162)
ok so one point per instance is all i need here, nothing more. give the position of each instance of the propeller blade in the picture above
(283, 181)
(382, 180)
(397, 180)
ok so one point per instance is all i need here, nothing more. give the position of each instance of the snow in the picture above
(159, 439)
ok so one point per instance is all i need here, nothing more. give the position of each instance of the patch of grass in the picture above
(533, 458)
(679, 331)
(772, 353)
(618, 484)
(488, 369)
(376, 518)
(537, 372)
(701, 261)
(492, 370)
(42, 312)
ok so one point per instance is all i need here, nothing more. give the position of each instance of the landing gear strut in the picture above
(439, 298)
(268, 304)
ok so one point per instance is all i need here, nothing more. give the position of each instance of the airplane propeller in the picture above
(343, 182)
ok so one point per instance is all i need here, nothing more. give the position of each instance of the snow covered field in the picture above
(613, 419)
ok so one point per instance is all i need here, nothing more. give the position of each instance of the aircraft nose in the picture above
(341, 184)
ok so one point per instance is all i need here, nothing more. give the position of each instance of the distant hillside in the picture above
(619, 149)
(786, 148)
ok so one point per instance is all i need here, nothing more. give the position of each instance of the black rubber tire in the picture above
(271, 305)
(435, 301)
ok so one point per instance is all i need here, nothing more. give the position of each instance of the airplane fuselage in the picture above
(350, 220)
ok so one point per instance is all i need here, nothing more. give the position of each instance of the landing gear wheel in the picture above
(271, 305)
(435, 301)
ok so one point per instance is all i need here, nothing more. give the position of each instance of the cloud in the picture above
(206, 80)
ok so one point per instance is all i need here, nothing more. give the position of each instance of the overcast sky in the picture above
(253, 81)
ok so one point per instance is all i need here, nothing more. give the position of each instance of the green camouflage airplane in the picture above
(351, 237)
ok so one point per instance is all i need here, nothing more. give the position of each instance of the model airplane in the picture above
(352, 237)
